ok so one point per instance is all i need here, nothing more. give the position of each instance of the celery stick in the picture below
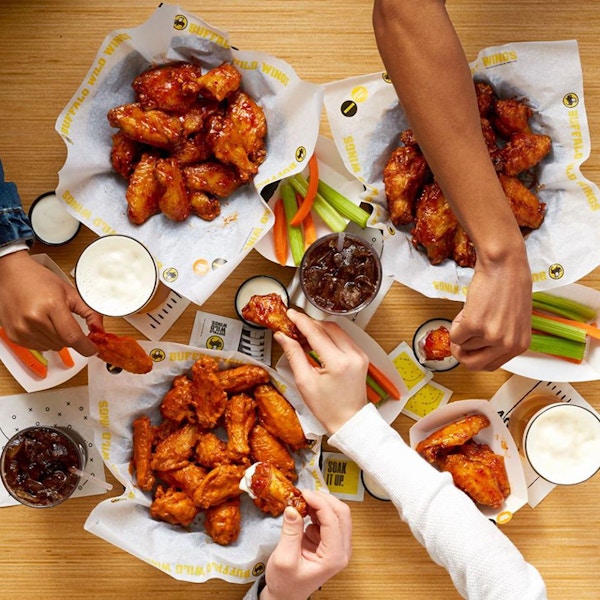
(39, 357)
(549, 344)
(375, 386)
(345, 207)
(328, 214)
(290, 206)
(564, 307)
(569, 332)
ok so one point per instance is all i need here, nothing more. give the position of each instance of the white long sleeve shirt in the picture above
(482, 562)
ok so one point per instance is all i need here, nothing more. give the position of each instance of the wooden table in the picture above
(46, 47)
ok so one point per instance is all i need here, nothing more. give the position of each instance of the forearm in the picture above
(427, 65)
(481, 560)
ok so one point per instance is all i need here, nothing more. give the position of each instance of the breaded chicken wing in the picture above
(486, 97)
(143, 439)
(265, 447)
(278, 416)
(213, 178)
(143, 192)
(240, 418)
(269, 310)
(220, 82)
(173, 506)
(511, 116)
(451, 435)
(274, 491)
(177, 404)
(223, 522)
(153, 127)
(175, 451)
(172, 88)
(209, 396)
(174, 201)
(242, 378)
(523, 151)
(121, 351)
(526, 206)
(221, 483)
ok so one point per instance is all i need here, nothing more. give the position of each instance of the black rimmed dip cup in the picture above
(38, 465)
(52, 224)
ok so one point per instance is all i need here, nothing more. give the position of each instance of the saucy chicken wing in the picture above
(222, 483)
(121, 351)
(174, 201)
(242, 378)
(213, 178)
(209, 396)
(240, 417)
(249, 119)
(143, 192)
(269, 310)
(175, 451)
(125, 154)
(511, 116)
(223, 522)
(523, 151)
(143, 439)
(525, 205)
(211, 450)
(220, 82)
(173, 506)
(265, 447)
(274, 491)
(177, 404)
(185, 479)
(436, 345)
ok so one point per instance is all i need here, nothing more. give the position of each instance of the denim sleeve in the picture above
(14, 224)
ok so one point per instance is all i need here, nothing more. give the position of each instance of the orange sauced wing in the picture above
(210, 398)
(123, 352)
(143, 439)
(240, 417)
(222, 483)
(274, 491)
(269, 310)
(265, 447)
(436, 345)
(242, 378)
(175, 451)
(177, 404)
(223, 522)
(173, 506)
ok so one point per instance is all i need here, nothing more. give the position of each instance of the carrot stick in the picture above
(311, 192)
(309, 229)
(66, 357)
(25, 356)
(590, 330)
(280, 241)
(383, 380)
(312, 360)
(372, 395)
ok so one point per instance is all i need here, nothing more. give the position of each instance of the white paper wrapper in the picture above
(194, 256)
(496, 436)
(115, 401)
(546, 74)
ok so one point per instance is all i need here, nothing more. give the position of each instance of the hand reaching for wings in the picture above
(305, 559)
(37, 307)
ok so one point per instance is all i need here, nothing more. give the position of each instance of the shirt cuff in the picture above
(14, 247)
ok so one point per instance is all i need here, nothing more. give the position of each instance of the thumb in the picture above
(292, 532)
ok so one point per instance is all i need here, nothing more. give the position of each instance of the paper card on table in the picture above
(426, 399)
(155, 323)
(342, 476)
(215, 332)
(414, 375)
(509, 396)
(65, 407)
(257, 343)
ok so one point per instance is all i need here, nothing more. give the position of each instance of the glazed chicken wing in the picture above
(175, 451)
(463, 251)
(269, 310)
(177, 403)
(124, 154)
(436, 345)
(486, 97)
(174, 201)
(204, 206)
(265, 447)
(143, 192)
(220, 82)
(173, 506)
(403, 177)
(211, 450)
(223, 522)
(153, 127)
(511, 116)
(209, 396)
(523, 151)
(484, 454)
(213, 178)
(222, 483)
(526, 206)
(171, 87)
(274, 491)
(249, 119)
(242, 378)
(240, 417)
(451, 435)
(185, 479)
(278, 416)
(143, 439)
(121, 351)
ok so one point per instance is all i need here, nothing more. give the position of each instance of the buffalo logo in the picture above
(571, 100)
(157, 355)
(170, 274)
(301, 154)
(556, 271)
(258, 570)
(180, 22)
(386, 78)
(215, 342)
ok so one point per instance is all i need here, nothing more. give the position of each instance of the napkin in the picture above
(548, 76)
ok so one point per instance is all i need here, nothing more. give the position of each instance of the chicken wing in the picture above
(274, 491)
(143, 439)
(153, 127)
(185, 479)
(211, 450)
(125, 154)
(463, 251)
(220, 82)
(451, 435)
(173, 506)
(240, 417)
(172, 88)
(175, 451)
(221, 483)
(249, 119)
(209, 396)
(483, 453)
(269, 310)
(213, 178)
(486, 97)
(511, 116)
(436, 345)
(143, 192)
(265, 447)
(242, 378)
(121, 351)
(526, 206)
(403, 177)
(523, 151)
(174, 201)
(223, 522)
(204, 206)
(278, 416)
(177, 404)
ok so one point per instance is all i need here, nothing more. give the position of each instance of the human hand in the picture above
(335, 391)
(37, 306)
(304, 560)
(495, 322)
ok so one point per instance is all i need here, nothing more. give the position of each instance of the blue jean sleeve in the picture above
(14, 224)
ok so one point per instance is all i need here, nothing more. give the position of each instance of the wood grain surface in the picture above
(46, 48)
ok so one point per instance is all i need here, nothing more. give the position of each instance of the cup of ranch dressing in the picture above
(560, 440)
(52, 224)
(116, 276)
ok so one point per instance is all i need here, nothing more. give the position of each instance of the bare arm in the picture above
(427, 65)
